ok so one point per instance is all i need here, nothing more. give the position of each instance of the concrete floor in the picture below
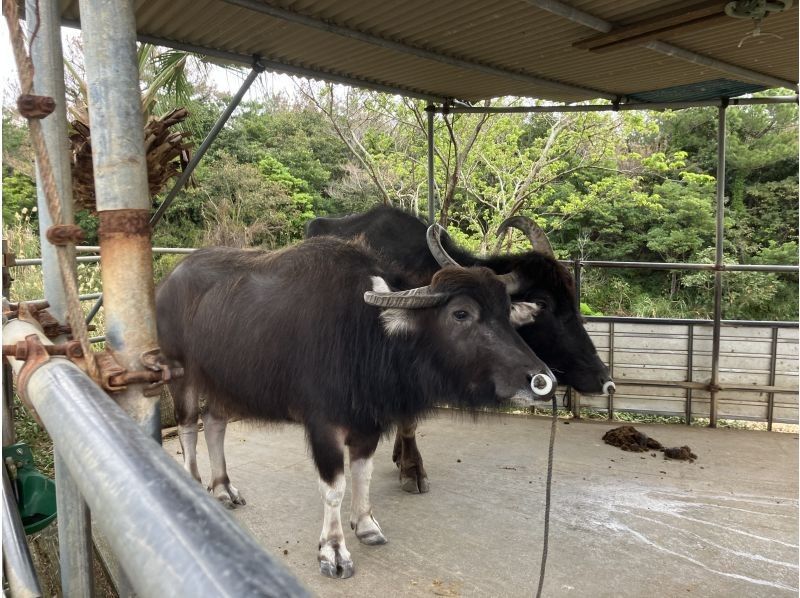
(622, 524)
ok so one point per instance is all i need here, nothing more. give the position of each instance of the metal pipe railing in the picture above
(170, 536)
(18, 567)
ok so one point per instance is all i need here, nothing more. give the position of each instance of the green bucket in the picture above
(35, 493)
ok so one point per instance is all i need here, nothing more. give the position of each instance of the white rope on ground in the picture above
(553, 426)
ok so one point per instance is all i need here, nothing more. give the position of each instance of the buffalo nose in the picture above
(609, 388)
(542, 385)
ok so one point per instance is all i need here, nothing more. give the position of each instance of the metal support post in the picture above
(773, 366)
(18, 568)
(689, 373)
(611, 368)
(257, 69)
(430, 110)
(123, 200)
(718, 263)
(48, 80)
(74, 526)
(576, 272)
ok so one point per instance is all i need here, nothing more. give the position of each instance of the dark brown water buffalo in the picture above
(313, 334)
(544, 301)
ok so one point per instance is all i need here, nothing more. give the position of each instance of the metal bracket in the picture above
(33, 106)
(35, 356)
(157, 373)
(36, 312)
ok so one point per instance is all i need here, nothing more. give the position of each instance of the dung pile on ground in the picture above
(629, 438)
(682, 453)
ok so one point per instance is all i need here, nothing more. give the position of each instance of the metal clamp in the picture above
(33, 106)
(65, 234)
(156, 374)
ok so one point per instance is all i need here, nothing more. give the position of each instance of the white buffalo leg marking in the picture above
(221, 486)
(188, 436)
(361, 520)
(334, 558)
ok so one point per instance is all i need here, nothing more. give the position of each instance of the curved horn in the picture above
(434, 238)
(535, 234)
(411, 299)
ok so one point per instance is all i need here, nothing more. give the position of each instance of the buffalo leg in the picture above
(327, 447)
(413, 477)
(367, 529)
(214, 427)
(185, 400)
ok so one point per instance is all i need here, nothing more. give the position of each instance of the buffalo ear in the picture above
(398, 322)
(523, 312)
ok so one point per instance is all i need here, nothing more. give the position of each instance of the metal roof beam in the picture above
(275, 66)
(725, 67)
(587, 20)
(465, 109)
(320, 25)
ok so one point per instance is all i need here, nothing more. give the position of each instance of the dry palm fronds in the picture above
(167, 154)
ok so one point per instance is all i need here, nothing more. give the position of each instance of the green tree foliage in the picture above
(604, 186)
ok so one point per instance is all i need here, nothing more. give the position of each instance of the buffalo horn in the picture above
(434, 237)
(411, 299)
(535, 234)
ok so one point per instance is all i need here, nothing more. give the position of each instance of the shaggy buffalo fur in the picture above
(287, 336)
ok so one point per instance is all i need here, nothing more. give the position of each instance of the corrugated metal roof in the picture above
(472, 49)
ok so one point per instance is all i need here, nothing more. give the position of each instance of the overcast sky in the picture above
(225, 80)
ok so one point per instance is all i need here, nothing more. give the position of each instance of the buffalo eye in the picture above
(461, 315)
(540, 303)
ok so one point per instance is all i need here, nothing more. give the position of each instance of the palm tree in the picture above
(164, 73)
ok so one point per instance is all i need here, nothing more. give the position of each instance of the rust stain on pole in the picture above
(127, 265)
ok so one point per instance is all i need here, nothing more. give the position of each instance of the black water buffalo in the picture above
(313, 334)
(546, 291)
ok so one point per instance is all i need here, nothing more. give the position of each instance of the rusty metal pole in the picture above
(718, 264)
(74, 522)
(123, 200)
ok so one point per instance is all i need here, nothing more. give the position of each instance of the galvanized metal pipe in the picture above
(75, 554)
(695, 321)
(18, 568)
(176, 250)
(611, 368)
(718, 262)
(74, 532)
(778, 268)
(48, 80)
(690, 373)
(622, 107)
(718, 65)
(170, 536)
(123, 199)
(429, 110)
(773, 364)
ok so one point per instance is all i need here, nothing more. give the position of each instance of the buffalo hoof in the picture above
(228, 495)
(369, 532)
(414, 484)
(373, 538)
(335, 562)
